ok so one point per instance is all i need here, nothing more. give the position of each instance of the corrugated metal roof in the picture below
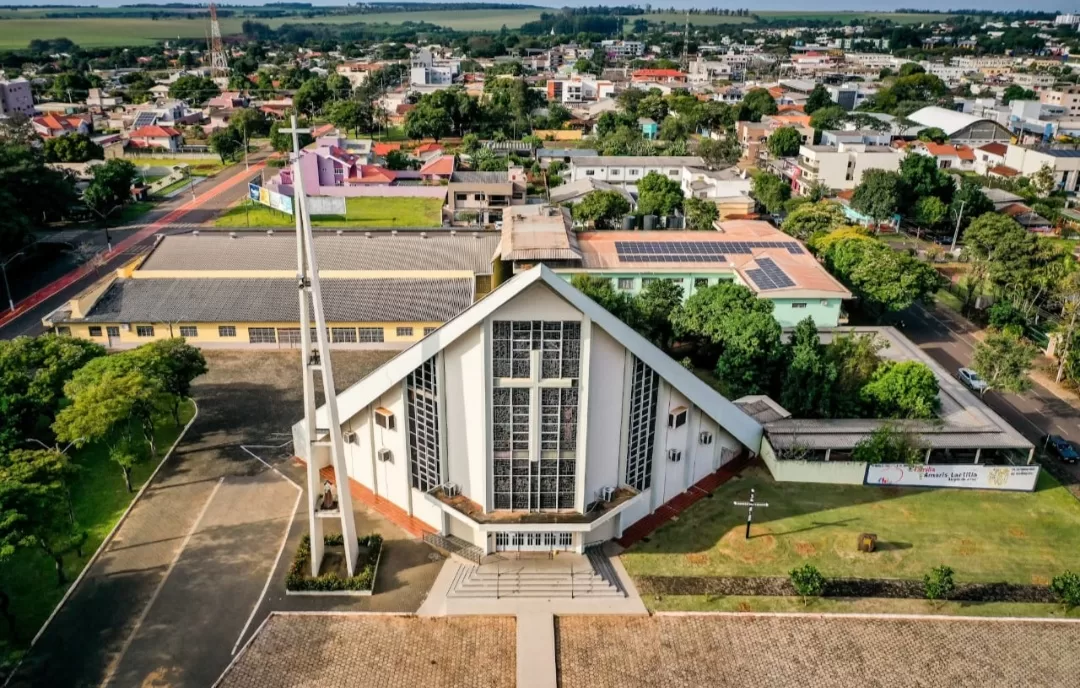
(274, 300)
(480, 177)
(382, 251)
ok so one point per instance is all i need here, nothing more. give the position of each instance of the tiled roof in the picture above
(154, 132)
(1003, 171)
(382, 251)
(427, 148)
(382, 149)
(373, 174)
(949, 150)
(274, 300)
(644, 73)
(998, 149)
(442, 165)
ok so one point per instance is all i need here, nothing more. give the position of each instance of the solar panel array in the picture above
(693, 251)
(768, 275)
(144, 119)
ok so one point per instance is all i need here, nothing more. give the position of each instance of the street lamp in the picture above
(7, 287)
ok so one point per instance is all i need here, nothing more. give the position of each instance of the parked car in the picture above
(970, 378)
(1062, 448)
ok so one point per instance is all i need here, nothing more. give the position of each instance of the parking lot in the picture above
(168, 599)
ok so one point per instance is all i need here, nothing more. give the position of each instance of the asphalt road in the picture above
(949, 340)
(206, 206)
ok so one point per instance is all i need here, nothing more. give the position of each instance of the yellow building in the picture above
(381, 289)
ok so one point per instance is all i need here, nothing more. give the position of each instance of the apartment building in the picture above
(426, 70)
(579, 89)
(1067, 98)
(841, 166)
(482, 197)
(16, 97)
(623, 50)
(704, 71)
(629, 169)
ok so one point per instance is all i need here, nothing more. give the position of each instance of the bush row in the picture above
(299, 579)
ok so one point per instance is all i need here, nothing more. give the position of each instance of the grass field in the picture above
(985, 536)
(736, 603)
(197, 168)
(17, 27)
(360, 212)
(99, 498)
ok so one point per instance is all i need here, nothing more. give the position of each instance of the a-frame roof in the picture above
(712, 403)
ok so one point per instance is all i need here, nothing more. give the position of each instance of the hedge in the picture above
(299, 580)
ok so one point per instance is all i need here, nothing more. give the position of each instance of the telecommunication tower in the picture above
(219, 64)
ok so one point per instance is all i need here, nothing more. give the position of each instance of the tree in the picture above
(110, 186)
(923, 178)
(658, 195)
(194, 90)
(655, 305)
(312, 96)
(1066, 588)
(933, 135)
(1044, 180)
(72, 148)
(1014, 92)
(470, 143)
(33, 371)
(810, 377)
(654, 107)
(701, 213)
(828, 117)
(106, 397)
(397, 160)
(757, 103)
(428, 120)
(811, 219)
(722, 153)
(818, 99)
(1004, 360)
(884, 280)
(930, 212)
(249, 123)
(807, 581)
(856, 358)
(886, 444)
(351, 115)
(879, 195)
(674, 129)
(602, 208)
(629, 99)
(282, 142)
(771, 191)
(600, 290)
(175, 364)
(30, 192)
(910, 68)
(939, 584)
(908, 389)
(225, 143)
(969, 202)
(785, 142)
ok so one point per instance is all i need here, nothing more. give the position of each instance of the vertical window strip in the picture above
(641, 434)
(423, 418)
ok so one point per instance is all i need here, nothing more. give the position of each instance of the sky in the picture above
(822, 5)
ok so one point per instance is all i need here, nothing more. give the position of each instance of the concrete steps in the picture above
(521, 581)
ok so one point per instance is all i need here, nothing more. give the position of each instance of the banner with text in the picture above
(969, 476)
(272, 199)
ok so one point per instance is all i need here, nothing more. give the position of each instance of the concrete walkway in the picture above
(536, 650)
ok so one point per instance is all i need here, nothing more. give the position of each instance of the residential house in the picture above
(729, 189)
(98, 100)
(949, 156)
(228, 100)
(574, 192)
(649, 128)
(989, 155)
(156, 137)
(580, 88)
(658, 76)
(52, 126)
(357, 72)
(841, 166)
(438, 169)
(629, 169)
(483, 197)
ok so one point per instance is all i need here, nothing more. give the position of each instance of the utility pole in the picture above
(956, 234)
(316, 360)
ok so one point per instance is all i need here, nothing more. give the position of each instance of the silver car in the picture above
(970, 378)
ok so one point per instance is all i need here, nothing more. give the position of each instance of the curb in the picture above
(886, 617)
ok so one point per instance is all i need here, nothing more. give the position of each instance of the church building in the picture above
(533, 420)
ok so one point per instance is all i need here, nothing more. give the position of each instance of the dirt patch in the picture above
(967, 547)
(697, 559)
(805, 549)
(1039, 579)
(759, 548)
(1016, 531)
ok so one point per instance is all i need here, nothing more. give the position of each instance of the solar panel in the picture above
(644, 251)
(768, 275)
(144, 119)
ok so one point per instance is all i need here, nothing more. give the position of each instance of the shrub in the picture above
(808, 581)
(939, 583)
(299, 580)
(1066, 588)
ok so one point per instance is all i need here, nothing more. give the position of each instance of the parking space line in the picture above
(281, 549)
(263, 461)
(161, 584)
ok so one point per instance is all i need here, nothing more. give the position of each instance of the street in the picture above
(1037, 413)
(180, 214)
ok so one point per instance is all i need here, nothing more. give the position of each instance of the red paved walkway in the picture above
(681, 502)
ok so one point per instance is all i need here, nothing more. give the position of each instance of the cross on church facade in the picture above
(750, 510)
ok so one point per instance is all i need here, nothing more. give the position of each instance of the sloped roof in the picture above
(949, 121)
(442, 165)
(154, 132)
(382, 149)
(998, 149)
(949, 150)
(741, 426)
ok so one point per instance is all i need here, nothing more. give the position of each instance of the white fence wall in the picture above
(834, 472)
(326, 205)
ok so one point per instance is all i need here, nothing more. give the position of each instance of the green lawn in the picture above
(99, 498)
(175, 186)
(361, 212)
(847, 605)
(985, 536)
(131, 212)
(198, 168)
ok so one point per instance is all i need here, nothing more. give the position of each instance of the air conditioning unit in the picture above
(384, 418)
(607, 494)
(705, 437)
(451, 489)
(384, 455)
(677, 417)
(348, 437)
(674, 455)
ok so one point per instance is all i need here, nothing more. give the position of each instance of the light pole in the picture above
(7, 287)
(956, 234)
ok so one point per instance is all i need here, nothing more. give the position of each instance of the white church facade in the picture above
(532, 420)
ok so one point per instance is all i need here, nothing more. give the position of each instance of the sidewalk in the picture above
(91, 267)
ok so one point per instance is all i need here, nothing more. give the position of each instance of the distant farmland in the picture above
(18, 27)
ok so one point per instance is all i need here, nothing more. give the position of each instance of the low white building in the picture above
(1064, 162)
(842, 166)
(534, 420)
(629, 169)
